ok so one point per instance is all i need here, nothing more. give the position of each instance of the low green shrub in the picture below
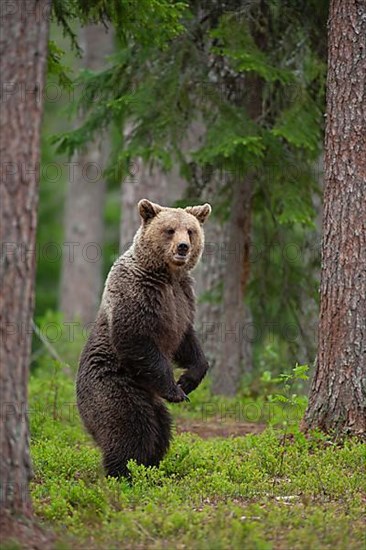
(262, 491)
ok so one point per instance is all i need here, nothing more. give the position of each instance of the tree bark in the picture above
(232, 336)
(24, 36)
(150, 183)
(153, 184)
(81, 277)
(235, 345)
(210, 278)
(338, 393)
(140, 183)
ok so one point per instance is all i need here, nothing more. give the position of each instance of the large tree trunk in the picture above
(81, 278)
(24, 35)
(338, 393)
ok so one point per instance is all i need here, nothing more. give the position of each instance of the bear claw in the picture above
(185, 396)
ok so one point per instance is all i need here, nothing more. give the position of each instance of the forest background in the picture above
(184, 103)
(231, 112)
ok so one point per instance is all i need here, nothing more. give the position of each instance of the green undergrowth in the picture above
(256, 492)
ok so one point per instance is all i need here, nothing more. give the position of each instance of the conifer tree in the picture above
(249, 73)
(338, 393)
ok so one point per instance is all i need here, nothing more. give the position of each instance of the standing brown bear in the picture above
(145, 322)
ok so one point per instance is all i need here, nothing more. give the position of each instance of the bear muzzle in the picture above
(182, 253)
(183, 249)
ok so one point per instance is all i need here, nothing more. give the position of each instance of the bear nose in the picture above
(183, 248)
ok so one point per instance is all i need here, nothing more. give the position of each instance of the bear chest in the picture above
(175, 317)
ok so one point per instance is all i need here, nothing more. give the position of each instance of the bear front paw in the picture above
(177, 395)
(187, 383)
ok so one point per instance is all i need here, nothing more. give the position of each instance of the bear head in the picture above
(170, 238)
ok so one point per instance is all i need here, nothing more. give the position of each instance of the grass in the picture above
(260, 491)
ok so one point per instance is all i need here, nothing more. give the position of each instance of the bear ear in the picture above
(200, 212)
(148, 210)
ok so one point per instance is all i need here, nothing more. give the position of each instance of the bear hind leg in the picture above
(115, 464)
(164, 423)
(143, 435)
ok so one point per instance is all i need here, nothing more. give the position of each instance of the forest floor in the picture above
(234, 478)
(217, 427)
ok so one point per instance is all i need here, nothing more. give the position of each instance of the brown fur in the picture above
(145, 322)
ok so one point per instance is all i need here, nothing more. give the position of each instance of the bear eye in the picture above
(190, 232)
(170, 231)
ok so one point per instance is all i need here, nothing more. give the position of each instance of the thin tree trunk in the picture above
(153, 184)
(81, 278)
(338, 393)
(232, 334)
(144, 182)
(140, 183)
(211, 275)
(24, 36)
(235, 345)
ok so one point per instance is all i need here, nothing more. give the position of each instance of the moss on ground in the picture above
(255, 491)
